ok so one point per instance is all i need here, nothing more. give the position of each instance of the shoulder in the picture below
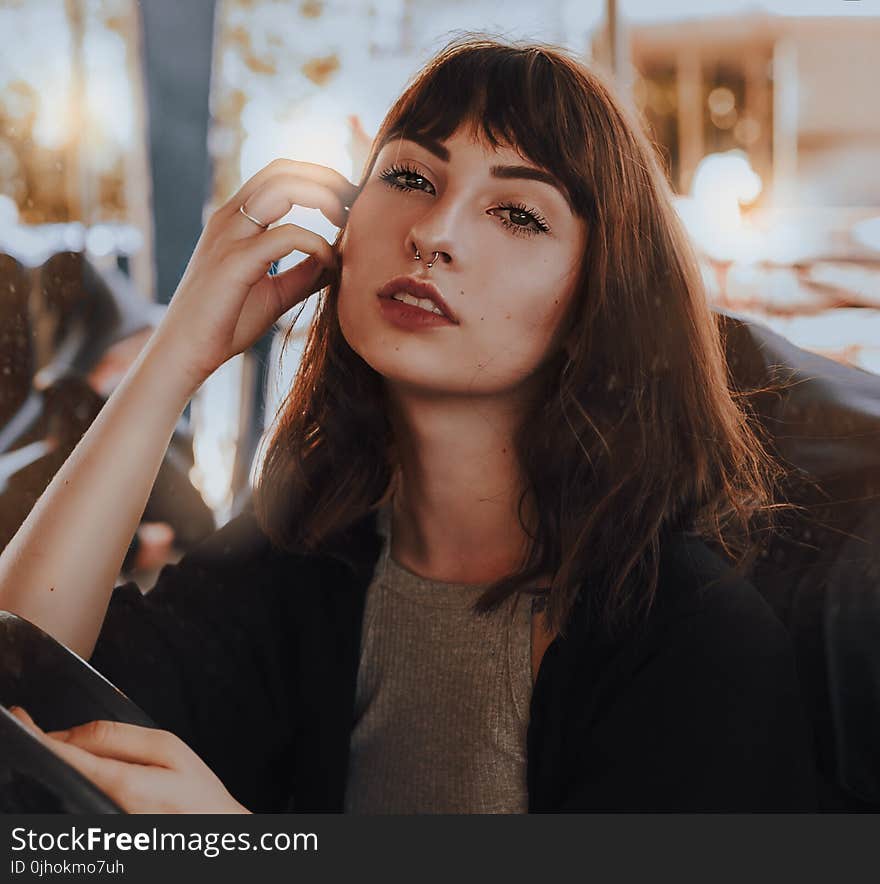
(698, 709)
(706, 624)
(703, 600)
(714, 650)
(710, 637)
(240, 552)
(240, 542)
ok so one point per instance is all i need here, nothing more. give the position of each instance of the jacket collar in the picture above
(357, 546)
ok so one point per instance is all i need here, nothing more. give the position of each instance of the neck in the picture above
(458, 487)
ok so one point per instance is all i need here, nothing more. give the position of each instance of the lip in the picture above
(419, 288)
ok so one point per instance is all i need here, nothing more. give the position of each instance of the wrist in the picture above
(179, 375)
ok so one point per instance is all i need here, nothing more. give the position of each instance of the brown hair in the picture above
(639, 432)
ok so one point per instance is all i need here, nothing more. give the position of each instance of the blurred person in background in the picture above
(66, 351)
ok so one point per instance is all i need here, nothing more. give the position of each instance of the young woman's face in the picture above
(510, 249)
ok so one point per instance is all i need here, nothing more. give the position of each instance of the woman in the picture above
(473, 578)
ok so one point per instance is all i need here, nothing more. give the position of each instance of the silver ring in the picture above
(431, 263)
(251, 218)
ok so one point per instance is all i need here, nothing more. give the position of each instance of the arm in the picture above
(58, 570)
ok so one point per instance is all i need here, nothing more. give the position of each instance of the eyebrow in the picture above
(530, 173)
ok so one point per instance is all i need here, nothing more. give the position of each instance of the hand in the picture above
(225, 300)
(142, 769)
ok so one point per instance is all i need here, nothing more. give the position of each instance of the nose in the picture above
(430, 260)
(427, 255)
(432, 232)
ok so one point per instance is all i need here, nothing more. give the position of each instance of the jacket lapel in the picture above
(327, 657)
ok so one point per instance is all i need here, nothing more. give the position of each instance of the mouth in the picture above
(418, 293)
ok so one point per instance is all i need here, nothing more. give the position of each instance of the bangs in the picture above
(505, 97)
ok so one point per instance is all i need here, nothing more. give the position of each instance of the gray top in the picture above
(442, 702)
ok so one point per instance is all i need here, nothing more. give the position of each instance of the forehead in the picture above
(458, 142)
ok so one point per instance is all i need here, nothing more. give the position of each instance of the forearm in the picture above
(59, 569)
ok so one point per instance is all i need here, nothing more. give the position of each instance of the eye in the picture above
(520, 218)
(405, 178)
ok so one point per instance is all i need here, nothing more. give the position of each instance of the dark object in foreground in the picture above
(59, 690)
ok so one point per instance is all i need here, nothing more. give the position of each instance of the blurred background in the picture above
(123, 124)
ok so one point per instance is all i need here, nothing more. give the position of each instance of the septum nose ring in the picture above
(431, 263)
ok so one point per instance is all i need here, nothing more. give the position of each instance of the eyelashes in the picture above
(393, 174)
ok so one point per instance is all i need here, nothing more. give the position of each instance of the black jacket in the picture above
(251, 656)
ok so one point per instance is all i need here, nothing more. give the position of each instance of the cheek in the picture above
(349, 247)
(509, 342)
(531, 307)
(353, 306)
(347, 313)
(521, 333)
(357, 226)
(554, 301)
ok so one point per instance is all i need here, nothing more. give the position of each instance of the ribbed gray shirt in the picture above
(442, 701)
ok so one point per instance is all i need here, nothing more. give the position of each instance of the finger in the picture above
(104, 772)
(24, 717)
(110, 775)
(273, 296)
(297, 283)
(330, 178)
(256, 253)
(124, 742)
(278, 195)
